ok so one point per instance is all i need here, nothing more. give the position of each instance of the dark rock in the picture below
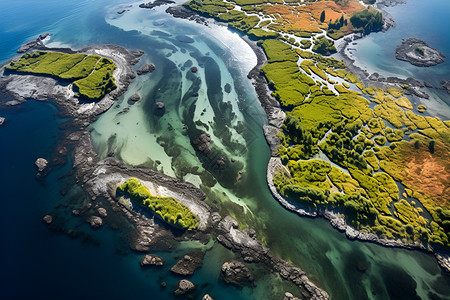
(47, 219)
(155, 3)
(147, 68)
(121, 11)
(361, 266)
(194, 69)
(41, 164)
(427, 84)
(151, 260)
(102, 212)
(135, 97)
(227, 88)
(236, 273)
(188, 264)
(37, 43)
(289, 296)
(160, 109)
(95, 222)
(75, 212)
(2, 120)
(184, 287)
(446, 85)
(184, 13)
(185, 39)
(203, 143)
(418, 53)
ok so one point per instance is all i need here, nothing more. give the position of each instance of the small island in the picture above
(418, 53)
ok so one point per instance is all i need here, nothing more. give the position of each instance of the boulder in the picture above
(135, 97)
(194, 69)
(184, 287)
(47, 219)
(95, 222)
(289, 296)
(207, 297)
(188, 264)
(41, 164)
(151, 260)
(203, 143)
(236, 273)
(147, 68)
(102, 212)
(227, 88)
(2, 120)
(160, 109)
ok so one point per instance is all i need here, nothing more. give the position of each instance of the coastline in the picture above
(276, 117)
(99, 178)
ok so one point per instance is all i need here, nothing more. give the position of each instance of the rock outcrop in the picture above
(48, 219)
(147, 68)
(151, 260)
(135, 97)
(203, 143)
(236, 273)
(418, 53)
(188, 264)
(252, 250)
(41, 164)
(95, 222)
(37, 43)
(2, 120)
(102, 212)
(155, 3)
(184, 287)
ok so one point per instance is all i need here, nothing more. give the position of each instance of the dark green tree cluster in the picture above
(368, 20)
(338, 23)
(324, 46)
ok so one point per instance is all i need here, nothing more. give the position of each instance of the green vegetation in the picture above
(420, 51)
(263, 34)
(324, 46)
(306, 44)
(340, 124)
(92, 75)
(368, 20)
(166, 208)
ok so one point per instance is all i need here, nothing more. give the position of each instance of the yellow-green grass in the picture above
(92, 75)
(166, 208)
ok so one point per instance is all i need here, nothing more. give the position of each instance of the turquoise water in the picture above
(99, 263)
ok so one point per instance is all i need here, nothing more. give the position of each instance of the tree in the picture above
(431, 146)
(322, 16)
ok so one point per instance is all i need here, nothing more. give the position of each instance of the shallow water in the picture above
(52, 264)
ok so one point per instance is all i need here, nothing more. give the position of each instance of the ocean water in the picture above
(38, 262)
(426, 20)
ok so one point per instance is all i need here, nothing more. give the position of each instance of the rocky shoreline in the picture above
(99, 178)
(418, 53)
(21, 87)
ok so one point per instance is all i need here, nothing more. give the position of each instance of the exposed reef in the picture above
(418, 53)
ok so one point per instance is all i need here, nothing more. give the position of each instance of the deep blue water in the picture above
(37, 262)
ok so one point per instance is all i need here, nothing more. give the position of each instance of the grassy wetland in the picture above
(368, 154)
